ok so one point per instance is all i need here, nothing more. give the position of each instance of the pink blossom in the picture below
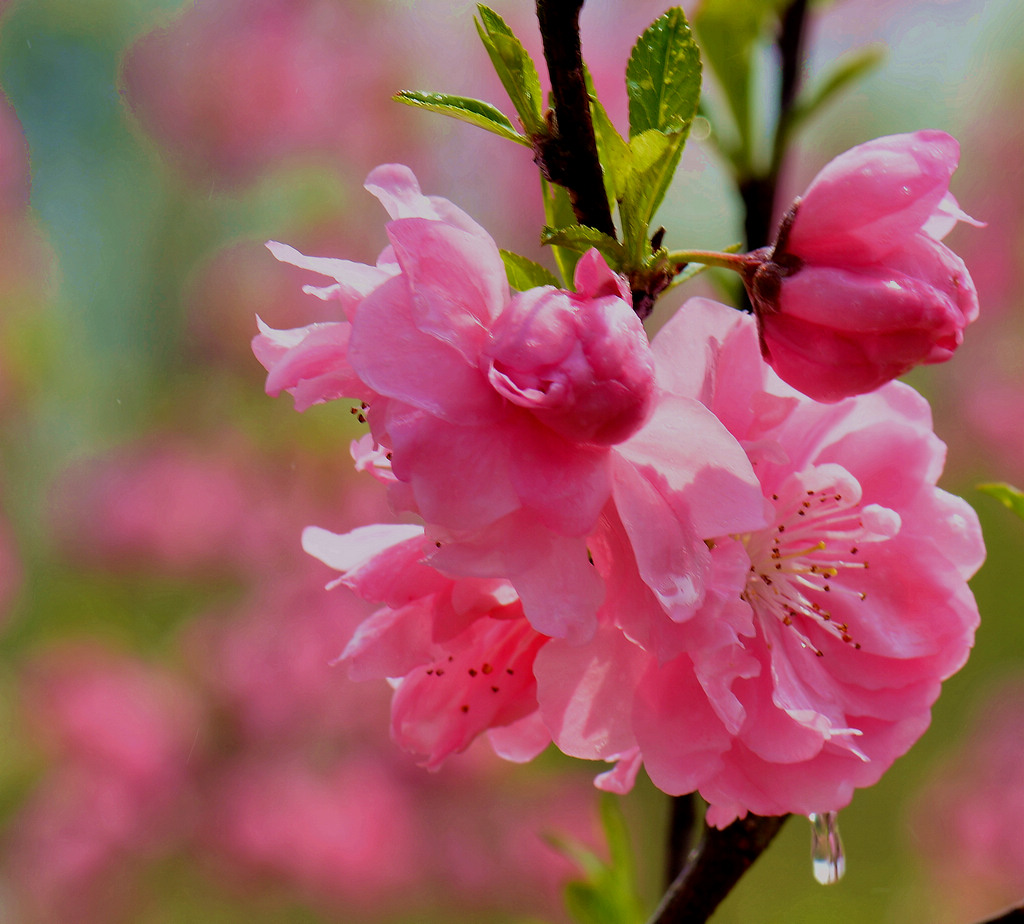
(232, 86)
(497, 852)
(10, 571)
(968, 817)
(122, 734)
(510, 422)
(161, 504)
(342, 835)
(822, 638)
(271, 671)
(858, 288)
(462, 648)
(578, 361)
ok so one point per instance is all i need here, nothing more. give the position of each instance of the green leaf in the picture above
(581, 238)
(515, 69)
(612, 149)
(608, 892)
(558, 213)
(654, 158)
(587, 905)
(616, 832)
(846, 70)
(524, 274)
(1010, 497)
(729, 32)
(474, 111)
(663, 76)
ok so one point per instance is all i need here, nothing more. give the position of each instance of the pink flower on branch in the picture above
(462, 648)
(822, 638)
(510, 422)
(858, 288)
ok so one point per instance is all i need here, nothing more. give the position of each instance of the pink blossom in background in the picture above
(10, 571)
(112, 711)
(497, 853)
(508, 422)
(858, 289)
(231, 87)
(122, 734)
(169, 505)
(297, 798)
(823, 638)
(266, 662)
(968, 818)
(179, 508)
(342, 835)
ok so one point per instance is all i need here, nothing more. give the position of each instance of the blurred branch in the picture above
(1009, 916)
(567, 153)
(680, 834)
(758, 192)
(714, 867)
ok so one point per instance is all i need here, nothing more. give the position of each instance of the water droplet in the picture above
(827, 858)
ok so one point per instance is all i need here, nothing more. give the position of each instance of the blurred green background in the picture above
(152, 496)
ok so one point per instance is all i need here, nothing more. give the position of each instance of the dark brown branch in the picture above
(714, 867)
(680, 834)
(759, 192)
(567, 154)
(1009, 916)
(791, 50)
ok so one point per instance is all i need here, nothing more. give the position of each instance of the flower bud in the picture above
(580, 362)
(858, 289)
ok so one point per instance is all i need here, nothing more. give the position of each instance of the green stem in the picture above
(737, 262)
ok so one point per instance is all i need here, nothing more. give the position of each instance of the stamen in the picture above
(806, 553)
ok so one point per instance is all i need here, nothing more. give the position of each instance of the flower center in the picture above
(814, 552)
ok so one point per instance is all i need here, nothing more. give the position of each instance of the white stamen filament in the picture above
(796, 561)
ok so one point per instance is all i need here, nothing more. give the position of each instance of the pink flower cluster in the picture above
(653, 555)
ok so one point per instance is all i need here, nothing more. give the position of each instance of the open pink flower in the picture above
(858, 288)
(462, 648)
(823, 637)
(510, 421)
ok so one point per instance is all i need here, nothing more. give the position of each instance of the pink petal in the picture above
(460, 476)
(622, 776)
(398, 190)
(457, 281)
(354, 281)
(869, 200)
(670, 556)
(396, 358)
(581, 693)
(391, 642)
(485, 680)
(522, 740)
(685, 447)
